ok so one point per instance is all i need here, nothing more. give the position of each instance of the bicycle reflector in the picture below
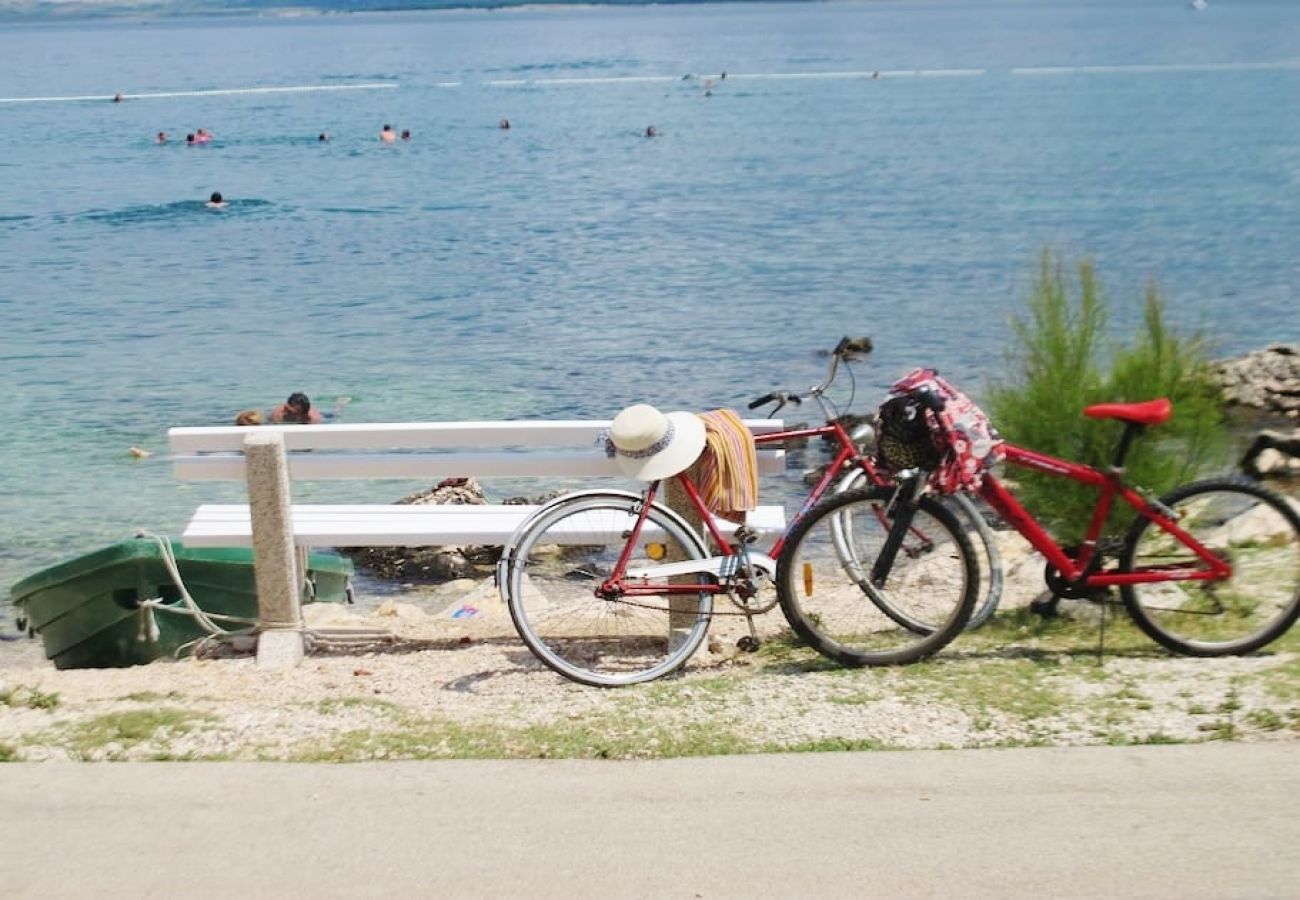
(656, 551)
(807, 579)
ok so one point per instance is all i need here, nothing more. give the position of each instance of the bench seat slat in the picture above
(413, 525)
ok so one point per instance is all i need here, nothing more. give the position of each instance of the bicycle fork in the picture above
(902, 509)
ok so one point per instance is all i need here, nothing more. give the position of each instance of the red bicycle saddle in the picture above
(1152, 412)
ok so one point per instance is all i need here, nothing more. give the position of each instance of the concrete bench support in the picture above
(280, 644)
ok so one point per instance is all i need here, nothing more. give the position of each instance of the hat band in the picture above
(612, 450)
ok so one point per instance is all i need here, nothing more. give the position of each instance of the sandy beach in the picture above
(445, 687)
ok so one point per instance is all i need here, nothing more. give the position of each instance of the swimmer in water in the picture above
(505, 125)
(386, 134)
(324, 136)
(651, 131)
(161, 138)
(189, 139)
(202, 136)
(216, 201)
(118, 98)
(406, 134)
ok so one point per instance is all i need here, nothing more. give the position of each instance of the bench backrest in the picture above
(419, 450)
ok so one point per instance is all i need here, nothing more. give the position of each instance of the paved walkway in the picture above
(1214, 820)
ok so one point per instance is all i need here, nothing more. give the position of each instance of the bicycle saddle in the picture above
(1152, 412)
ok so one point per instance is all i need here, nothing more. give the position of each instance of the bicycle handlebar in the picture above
(847, 350)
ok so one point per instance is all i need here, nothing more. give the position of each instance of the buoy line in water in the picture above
(1170, 68)
(215, 92)
(1137, 69)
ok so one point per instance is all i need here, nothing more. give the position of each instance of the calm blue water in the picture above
(569, 266)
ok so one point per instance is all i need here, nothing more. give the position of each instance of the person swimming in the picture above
(189, 138)
(161, 138)
(406, 134)
(202, 136)
(297, 410)
(216, 201)
(386, 134)
(324, 136)
(651, 131)
(505, 125)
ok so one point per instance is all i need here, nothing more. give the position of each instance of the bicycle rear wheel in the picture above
(565, 554)
(829, 600)
(1256, 532)
(982, 539)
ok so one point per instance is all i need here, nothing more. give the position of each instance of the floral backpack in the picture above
(927, 423)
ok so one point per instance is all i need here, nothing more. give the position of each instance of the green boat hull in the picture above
(87, 611)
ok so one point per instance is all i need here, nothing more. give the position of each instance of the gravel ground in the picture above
(468, 687)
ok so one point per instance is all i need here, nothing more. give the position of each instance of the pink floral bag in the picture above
(927, 423)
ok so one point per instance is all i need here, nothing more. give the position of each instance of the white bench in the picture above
(423, 451)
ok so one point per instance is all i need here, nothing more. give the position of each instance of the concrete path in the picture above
(1214, 820)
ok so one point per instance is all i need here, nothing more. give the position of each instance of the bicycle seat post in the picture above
(1131, 431)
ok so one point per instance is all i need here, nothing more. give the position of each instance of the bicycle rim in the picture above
(1251, 528)
(830, 602)
(558, 563)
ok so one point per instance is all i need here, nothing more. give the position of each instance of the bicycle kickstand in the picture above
(746, 586)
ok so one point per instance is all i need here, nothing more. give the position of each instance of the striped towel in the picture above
(727, 470)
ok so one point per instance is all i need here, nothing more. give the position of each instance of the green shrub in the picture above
(1063, 359)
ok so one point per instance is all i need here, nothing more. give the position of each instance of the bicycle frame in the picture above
(728, 557)
(1109, 484)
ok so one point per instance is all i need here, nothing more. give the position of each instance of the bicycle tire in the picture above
(989, 591)
(831, 604)
(1254, 529)
(550, 584)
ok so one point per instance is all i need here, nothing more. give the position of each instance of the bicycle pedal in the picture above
(1047, 608)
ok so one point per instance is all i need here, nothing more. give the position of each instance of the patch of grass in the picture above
(831, 745)
(152, 696)
(8, 753)
(118, 732)
(1265, 720)
(1059, 639)
(857, 698)
(676, 693)
(333, 705)
(1283, 681)
(1222, 730)
(28, 697)
(615, 736)
(1231, 703)
(1016, 687)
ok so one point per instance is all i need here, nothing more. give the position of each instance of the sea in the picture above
(893, 169)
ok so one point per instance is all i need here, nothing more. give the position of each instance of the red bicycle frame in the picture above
(1110, 484)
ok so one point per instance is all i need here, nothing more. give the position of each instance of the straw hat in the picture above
(650, 445)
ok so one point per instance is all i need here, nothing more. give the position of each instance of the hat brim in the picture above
(684, 449)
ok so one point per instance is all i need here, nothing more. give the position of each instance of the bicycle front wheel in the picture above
(568, 552)
(830, 601)
(982, 539)
(1248, 526)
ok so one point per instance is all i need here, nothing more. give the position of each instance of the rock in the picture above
(423, 564)
(1267, 380)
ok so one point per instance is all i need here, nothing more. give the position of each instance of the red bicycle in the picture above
(1212, 568)
(613, 587)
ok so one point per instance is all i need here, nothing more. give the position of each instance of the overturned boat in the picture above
(146, 598)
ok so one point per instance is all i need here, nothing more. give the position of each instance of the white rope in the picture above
(323, 636)
(204, 619)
